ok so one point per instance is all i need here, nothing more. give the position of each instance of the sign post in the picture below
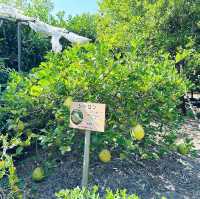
(86, 159)
(88, 117)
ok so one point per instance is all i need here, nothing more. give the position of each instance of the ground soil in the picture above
(173, 176)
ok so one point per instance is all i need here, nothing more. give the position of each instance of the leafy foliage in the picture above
(136, 90)
(34, 45)
(181, 33)
(4, 74)
(131, 68)
(153, 26)
(40, 9)
(83, 24)
(78, 193)
(188, 60)
(7, 167)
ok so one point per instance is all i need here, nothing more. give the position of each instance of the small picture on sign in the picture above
(87, 116)
(76, 116)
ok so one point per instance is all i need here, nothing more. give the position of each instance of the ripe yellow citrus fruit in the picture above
(183, 149)
(38, 174)
(2, 164)
(68, 102)
(36, 91)
(105, 155)
(138, 132)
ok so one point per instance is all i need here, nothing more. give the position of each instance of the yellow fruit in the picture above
(144, 156)
(36, 91)
(2, 164)
(29, 132)
(38, 174)
(68, 102)
(20, 126)
(183, 149)
(138, 132)
(122, 156)
(105, 155)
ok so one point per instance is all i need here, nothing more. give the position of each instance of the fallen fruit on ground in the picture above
(38, 174)
(122, 156)
(183, 149)
(138, 132)
(105, 155)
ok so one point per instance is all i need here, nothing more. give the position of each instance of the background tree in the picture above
(153, 26)
(84, 24)
(41, 9)
(35, 45)
(180, 36)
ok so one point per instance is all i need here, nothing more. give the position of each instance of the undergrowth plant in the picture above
(84, 193)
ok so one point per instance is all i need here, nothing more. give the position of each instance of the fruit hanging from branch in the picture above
(138, 132)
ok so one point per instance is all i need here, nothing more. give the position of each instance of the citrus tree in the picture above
(126, 69)
(135, 89)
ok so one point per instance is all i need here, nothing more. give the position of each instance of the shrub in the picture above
(84, 193)
(136, 90)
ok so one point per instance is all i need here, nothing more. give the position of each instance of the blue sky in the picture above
(73, 7)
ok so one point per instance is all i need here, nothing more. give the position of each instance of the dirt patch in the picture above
(173, 176)
(191, 129)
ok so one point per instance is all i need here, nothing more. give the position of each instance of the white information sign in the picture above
(88, 116)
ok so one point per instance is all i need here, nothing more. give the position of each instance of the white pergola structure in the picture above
(56, 33)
